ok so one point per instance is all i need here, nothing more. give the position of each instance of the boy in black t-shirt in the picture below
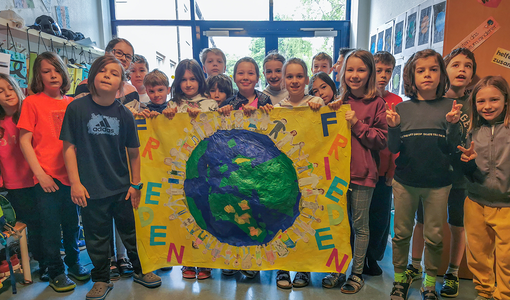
(97, 130)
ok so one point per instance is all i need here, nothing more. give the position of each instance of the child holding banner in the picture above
(98, 132)
(369, 130)
(423, 165)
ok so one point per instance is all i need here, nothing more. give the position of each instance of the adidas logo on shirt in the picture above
(99, 124)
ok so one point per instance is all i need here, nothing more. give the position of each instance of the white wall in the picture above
(90, 17)
(383, 11)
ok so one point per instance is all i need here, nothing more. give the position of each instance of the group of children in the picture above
(83, 154)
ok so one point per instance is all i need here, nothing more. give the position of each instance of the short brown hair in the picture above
(500, 84)
(156, 77)
(217, 51)
(409, 82)
(448, 58)
(323, 56)
(37, 85)
(98, 65)
(384, 57)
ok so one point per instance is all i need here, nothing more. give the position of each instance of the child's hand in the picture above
(267, 108)
(454, 115)
(389, 181)
(392, 117)
(351, 117)
(225, 110)
(47, 183)
(134, 194)
(133, 111)
(170, 112)
(314, 106)
(79, 194)
(193, 112)
(248, 110)
(144, 113)
(335, 105)
(153, 114)
(468, 154)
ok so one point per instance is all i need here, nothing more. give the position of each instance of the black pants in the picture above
(97, 223)
(24, 203)
(380, 216)
(58, 211)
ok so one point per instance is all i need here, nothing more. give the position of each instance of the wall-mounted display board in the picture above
(482, 25)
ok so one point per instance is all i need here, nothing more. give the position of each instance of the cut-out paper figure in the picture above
(314, 206)
(215, 253)
(270, 257)
(172, 180)
(246, 262)
(280, 125)
(238, 119)
(225, 124)
(253, 120)
(173, 163)
(311, 192)
(258, 255)
(300, 234)
(312, 180)
(172, 203)
(208, 243)
(295, 147)
(174, 216)
(193, 137)
(198, 129)
(191, 233)
(289, 136)
(301, 157)
(228, 255)
(173, 191)
(178, 154)
(209, 130)
(183, 144)
(264, 121)
(188, 222)
(216, 124)
(310, 167)
(237, 259)
(280, 248)
(176, 173)
(311, 217)
(288, 241)
(305, 226)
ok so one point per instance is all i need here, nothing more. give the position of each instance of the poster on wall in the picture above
(255, 193)
(373, 39)
(438, 22)
(17, 67)
(380, 40)
(424, 25)
(388, 37)
(24, 4)
(398, 40)
(411, 31)
(396, 78)
(63, 17)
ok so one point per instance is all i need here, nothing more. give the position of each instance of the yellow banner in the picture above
(259, 193)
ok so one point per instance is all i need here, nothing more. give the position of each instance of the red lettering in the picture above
(152, 143)
(177, 256)
(334, 255)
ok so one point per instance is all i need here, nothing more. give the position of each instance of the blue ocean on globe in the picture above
(241, 188)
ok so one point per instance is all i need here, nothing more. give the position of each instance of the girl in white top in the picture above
(295, 81)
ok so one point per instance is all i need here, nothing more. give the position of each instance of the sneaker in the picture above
(400, 289)
(228, 272)
(249, 274)
(99, 291)
(81, 239)
(114, 271)
(62, 283)
(43, 273)
(125, 267)
(149, 280)
(413, 272)
(78, 272)
(450, 287)
(429, 293)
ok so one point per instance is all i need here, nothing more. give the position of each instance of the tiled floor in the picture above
(221, 287)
